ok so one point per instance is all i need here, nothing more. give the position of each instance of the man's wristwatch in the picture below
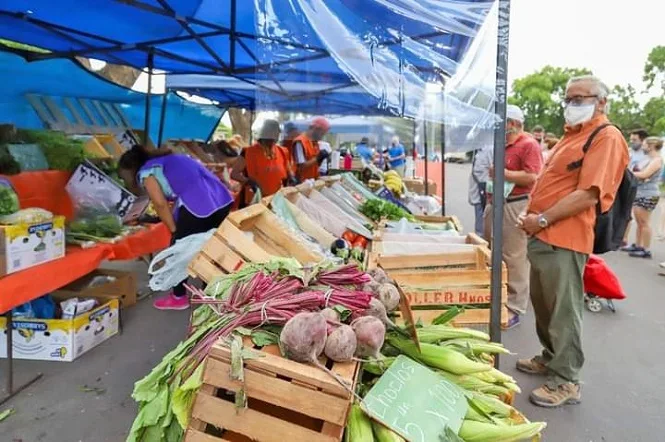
(542, 221)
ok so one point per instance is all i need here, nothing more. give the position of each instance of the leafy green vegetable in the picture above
(61, 152)
(344, 313)
(183, 397)
(261, 338)
(377, 209)
(100, 226)
(8, 201)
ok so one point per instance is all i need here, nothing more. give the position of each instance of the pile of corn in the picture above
(464, 357)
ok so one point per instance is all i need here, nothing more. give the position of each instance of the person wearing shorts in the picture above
(648, 171)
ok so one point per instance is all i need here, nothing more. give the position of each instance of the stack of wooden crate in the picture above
(286, 400)
(433, 283)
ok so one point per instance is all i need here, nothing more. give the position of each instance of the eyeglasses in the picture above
(577, 99)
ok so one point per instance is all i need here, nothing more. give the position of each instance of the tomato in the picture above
(361, 242)
(349, 236)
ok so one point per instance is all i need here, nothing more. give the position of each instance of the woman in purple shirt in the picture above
(201, 202)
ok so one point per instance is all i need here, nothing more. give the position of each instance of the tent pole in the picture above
(146, 124)
(162, 116)
(499, 165)
(251, 124)
(426, 155)
(414, 154)
(443, 170)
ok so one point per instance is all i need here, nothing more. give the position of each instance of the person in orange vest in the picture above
(264, 165)
(307, 154)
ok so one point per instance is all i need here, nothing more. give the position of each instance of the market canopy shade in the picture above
(390, 48)
(65, 83)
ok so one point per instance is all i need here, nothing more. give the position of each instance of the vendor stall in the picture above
(272, 292)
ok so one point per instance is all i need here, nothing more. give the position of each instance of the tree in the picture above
(241, 122)
(654, 116)
(654, 69)
(625, 111)
(540, 96)
(123, 75)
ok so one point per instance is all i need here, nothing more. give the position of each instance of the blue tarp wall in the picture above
(60, 78)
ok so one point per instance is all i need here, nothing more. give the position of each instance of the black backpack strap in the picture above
(577, 164)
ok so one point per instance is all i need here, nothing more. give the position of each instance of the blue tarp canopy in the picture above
(390, 48)
(308, 98)
(61, 79)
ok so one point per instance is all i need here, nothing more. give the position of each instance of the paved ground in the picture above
(623, 392)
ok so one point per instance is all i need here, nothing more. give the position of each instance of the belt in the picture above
(517, 198)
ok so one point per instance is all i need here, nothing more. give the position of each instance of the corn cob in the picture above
(384, 434)
(358, 427)
(477, 346)
(438, 357)
(474, 384)
(432, 334)
(472, 431)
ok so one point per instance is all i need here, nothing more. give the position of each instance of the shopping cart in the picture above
(600, 282)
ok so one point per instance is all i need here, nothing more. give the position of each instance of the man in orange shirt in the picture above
(264, 166)
(560, 220)
(307, 155)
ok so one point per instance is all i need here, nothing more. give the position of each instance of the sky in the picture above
(612, 41)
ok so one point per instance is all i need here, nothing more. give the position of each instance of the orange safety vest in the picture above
(310, 150)
(269, 173)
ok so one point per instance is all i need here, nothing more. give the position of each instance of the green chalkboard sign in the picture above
(415, 402)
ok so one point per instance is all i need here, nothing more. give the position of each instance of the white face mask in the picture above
(575, 115)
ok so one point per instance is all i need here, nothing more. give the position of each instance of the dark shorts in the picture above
(647, 203)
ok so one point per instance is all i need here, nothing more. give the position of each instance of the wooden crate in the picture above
(287, 400)
(227, 251)
(432, 282)
(271, 235)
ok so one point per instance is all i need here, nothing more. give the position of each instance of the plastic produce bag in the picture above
(352, 182)
(279, 208)
(27, 216)
(601, 281)
(169, 267)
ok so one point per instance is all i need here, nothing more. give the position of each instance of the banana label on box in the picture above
(62, 339)
(27, 245)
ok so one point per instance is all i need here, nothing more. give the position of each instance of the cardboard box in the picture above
(61, 340)
(26, 245)
(123, 289)
(417, 186)
(90, 187)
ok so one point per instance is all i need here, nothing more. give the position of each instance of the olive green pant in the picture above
(557, 295)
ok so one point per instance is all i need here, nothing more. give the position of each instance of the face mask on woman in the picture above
(578, 114)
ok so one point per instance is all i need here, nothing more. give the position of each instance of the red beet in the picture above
(303, 338)
(341, 344)
(370, 333)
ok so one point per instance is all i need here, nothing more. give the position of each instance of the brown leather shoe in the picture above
(549, 397)
(531, 366)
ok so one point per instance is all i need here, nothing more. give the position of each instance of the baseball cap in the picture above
(321, 123)
(270, 130)
(514, 113)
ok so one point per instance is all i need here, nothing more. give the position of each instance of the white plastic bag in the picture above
(169, 267)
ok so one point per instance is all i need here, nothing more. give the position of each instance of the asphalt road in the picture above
(623, 394)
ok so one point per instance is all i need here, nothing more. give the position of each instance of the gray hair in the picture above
(599, 88)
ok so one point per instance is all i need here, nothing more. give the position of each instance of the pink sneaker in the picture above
(171, 302)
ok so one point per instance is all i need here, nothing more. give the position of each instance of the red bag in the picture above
(600, 280)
